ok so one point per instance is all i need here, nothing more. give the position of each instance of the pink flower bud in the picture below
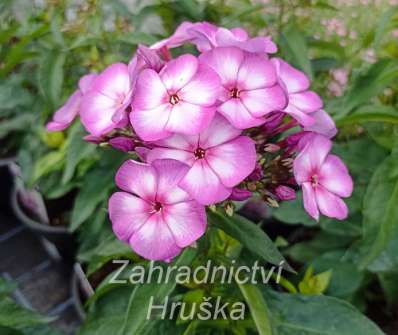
(239, 194)
(122, 143)
(285, 193)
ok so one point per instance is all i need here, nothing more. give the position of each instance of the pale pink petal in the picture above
(182, 142)
(330, 204)
(302, 117)
(69, 110)
(186, 220)
(127, 213)
(307, 101)
(179, 72)
(138, 178)
(226, 62)
(203, 89)
(86, 82)
(323, 124)
(55, 126)
(264, 101)
(310, 160)
(256, 72)
(150, 124)
(154, 240)
(203, 34)
(180, 36)
(203, 184)
(334, 176)
(170, 172)
(310, 204)
(186, 118)
(294, 80)
(233, 161)
(218, 132)
(149, 91)
(238, 115)
(113, 82)
(96, 112)
(260, 45)
(167, 153)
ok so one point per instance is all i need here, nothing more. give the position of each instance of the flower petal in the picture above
(154, 240)
(179, 72)
(182, 142)
(310, 160)
(218, 132)
(96, 112)
(113, 82)
(69, 110)
(263, 101)
(323, 124)
(256, 72)
(150, 124)
(310, 204)
(203, 89)
(138, 178)
(149, 91)
(307, 101)
(294, 80)
(226, 62)
(127, 213)
(302, 117)
(233, 161)
(86, 82)
(238, 115)
(204, 185)
(334, 177)
(190, 119)
(167, 153)
(170, 172)
(186, 220)
(330, 204)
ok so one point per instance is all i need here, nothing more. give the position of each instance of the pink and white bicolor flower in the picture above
(103, 108)
(324, 179)
(65, 115)
(249, 86)
(179, 99)
(301, 100)
(219, 159)
(207, 36)
(155, 216)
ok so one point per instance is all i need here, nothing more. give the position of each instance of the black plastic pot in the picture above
(57, 239)
(81, 290)
(6, 182)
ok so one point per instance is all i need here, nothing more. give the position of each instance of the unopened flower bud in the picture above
(285, 193)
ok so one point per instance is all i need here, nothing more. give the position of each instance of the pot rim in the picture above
(36, 225)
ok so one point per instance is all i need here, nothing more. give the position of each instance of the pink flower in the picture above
(323, 124)
(103, 108)
(64, 116)
(152, 214)
(324, 179)
(301, 101)
(219, 159)
(207, 36)
(249, 86)
(179, 99)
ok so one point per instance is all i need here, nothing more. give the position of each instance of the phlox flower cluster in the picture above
(221, 125)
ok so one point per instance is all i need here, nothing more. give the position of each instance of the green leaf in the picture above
(316, 315)
(372, 113)
(94, 190)
(295, 46)
(250, 235)
(135, 320)
(48, 163)
(18, 123)
(77, 150)
(369, 84)
(258, 308)
(314, 284)
(51, 76)
(380, 209)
